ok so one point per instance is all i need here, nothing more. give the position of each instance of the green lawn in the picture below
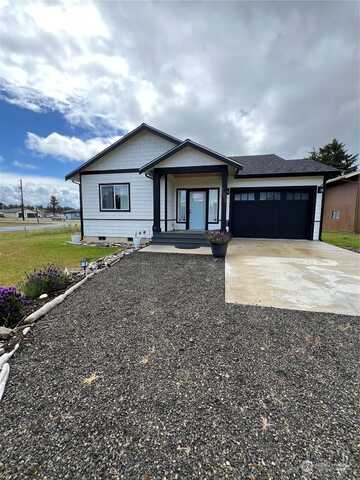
(22, 252)
(342, 239)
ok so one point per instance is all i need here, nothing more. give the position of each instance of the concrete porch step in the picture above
(180, 238)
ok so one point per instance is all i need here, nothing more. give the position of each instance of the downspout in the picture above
(81, 212)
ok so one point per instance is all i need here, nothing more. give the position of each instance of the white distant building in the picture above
(72, 215)
(17, 213)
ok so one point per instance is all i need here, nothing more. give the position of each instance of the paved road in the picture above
(35, 226)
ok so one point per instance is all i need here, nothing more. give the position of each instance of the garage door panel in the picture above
(271, 213)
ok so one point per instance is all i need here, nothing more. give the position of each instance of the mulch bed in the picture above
(180, 385)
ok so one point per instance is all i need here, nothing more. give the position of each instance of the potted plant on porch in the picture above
(219, 241)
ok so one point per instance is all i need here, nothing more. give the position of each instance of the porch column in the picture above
(224, 179)
(156, 201)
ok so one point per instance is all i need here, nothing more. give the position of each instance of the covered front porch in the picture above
(189, 201)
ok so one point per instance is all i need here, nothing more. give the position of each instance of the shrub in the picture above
(45, 280)
(218, 237)
(12, 305)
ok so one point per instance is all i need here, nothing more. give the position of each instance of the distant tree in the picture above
(336, 155)
(53, 204)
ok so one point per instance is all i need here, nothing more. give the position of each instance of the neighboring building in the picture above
(17, 213)
(150, 183)
(72, 215)
(342, 203)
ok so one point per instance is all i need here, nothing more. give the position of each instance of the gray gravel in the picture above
(185, 386)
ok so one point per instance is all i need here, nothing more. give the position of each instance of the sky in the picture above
(239, 77)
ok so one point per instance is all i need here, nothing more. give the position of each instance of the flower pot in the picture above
(219, 250)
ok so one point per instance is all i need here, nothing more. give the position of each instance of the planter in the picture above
(219, 250)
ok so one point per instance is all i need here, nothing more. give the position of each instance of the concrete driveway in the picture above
(293, 274)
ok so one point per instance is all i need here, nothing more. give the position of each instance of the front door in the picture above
(197, 210)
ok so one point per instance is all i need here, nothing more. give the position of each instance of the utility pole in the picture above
(22, 201)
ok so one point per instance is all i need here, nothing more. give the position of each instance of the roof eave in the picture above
(286, 174)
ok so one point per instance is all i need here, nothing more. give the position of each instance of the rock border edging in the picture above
(30, 320)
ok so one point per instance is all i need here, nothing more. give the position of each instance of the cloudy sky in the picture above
(240, 77)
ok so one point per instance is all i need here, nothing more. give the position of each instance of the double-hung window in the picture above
(115, 197)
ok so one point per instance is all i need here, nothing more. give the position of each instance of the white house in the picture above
(17, 213)
(72, 215)
(152, 184)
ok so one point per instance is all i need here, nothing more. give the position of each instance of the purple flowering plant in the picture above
(45, 280)
(12, 305)
(218, 237)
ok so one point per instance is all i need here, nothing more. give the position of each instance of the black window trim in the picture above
(247, 196)
(218, 204)
(113, 209)
(177, 204)
(207, 190)
(273, 191)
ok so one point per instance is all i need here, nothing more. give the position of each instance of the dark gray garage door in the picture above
(272, 213)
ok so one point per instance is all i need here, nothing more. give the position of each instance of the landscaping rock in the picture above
(182, 385)
(5, 333)
(43, 296)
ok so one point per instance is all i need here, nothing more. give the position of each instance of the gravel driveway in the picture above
(179, 385)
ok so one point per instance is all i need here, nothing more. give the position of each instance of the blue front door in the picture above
(197, 210)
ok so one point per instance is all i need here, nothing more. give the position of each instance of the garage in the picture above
(286, 212)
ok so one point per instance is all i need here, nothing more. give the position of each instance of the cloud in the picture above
(37, 190)
(67, 148)
(29, 166)
(241, 77)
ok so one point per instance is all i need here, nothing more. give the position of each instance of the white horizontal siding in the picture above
(136, 152)
(283, 182)
(117, 224)
(117, 228)
(189, 157)
(141, 192)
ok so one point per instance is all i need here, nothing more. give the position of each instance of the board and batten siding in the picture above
(134, 153)
(274, 182)
(118, 224)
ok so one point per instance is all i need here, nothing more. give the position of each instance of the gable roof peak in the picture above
(207, 151)
(122, 140)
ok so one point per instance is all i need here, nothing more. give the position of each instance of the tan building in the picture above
(342, 204)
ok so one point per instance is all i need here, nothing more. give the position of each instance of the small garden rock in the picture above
(5, 332)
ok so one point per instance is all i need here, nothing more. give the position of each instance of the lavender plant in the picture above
(12, 304)
(218, 237)
(45, 280)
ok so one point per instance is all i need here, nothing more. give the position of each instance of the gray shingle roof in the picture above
(257, 165)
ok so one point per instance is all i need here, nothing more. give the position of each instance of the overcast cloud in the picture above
(243, 78)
